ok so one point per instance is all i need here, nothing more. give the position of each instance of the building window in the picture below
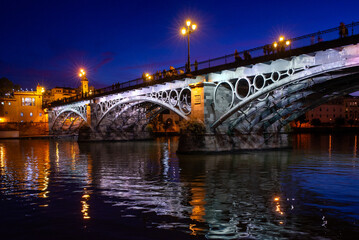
(28, 101)
(21, 114)
(31, 114)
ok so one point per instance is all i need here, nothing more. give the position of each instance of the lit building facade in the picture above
(27, 106)
(23, 106)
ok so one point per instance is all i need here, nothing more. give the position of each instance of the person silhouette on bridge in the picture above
(247, 55)
(144, 76)
(195, 65)
(343, 30)
(237, 58)
(312, 40)
(320, 39)
(266, 49)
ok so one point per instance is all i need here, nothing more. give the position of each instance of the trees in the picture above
(6, 86)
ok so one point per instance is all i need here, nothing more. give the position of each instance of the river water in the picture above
(61, 189)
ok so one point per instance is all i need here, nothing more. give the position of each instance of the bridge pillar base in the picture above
(225, 143)
(86, 134)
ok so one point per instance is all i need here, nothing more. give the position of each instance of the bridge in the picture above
(231, 105)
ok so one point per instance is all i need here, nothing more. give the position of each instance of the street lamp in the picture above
(281, 44)
(148, 76)
(82, 73)
(191, 27)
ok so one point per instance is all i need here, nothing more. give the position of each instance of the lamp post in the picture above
(281, 44)
(191, 27)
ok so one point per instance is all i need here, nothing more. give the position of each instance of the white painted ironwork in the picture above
(261, 80)
(175, 96)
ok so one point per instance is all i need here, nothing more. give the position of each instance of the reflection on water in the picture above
(308, 192)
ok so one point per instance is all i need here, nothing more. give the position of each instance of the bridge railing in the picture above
(298, 42)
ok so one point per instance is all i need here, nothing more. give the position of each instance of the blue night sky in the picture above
(47, 42)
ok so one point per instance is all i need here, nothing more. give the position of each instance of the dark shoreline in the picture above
(326, 129)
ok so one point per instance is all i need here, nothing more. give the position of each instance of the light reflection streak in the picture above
(85, 205)
(355, 146)
(195, 229)
(57, 155)
(73, 156)
(45, 175)
(165, 159)
(330, 146)
(198, 202)
(2, 160)
(278, 207)
(87, 193)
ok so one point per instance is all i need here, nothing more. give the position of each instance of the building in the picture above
(23, 106)
(344, 108)
(58, 93)
(328, 112)
(351, 108)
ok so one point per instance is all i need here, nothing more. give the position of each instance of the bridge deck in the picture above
(139, 83)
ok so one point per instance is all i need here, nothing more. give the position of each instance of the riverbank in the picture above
(6, 135)
(326, 129)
